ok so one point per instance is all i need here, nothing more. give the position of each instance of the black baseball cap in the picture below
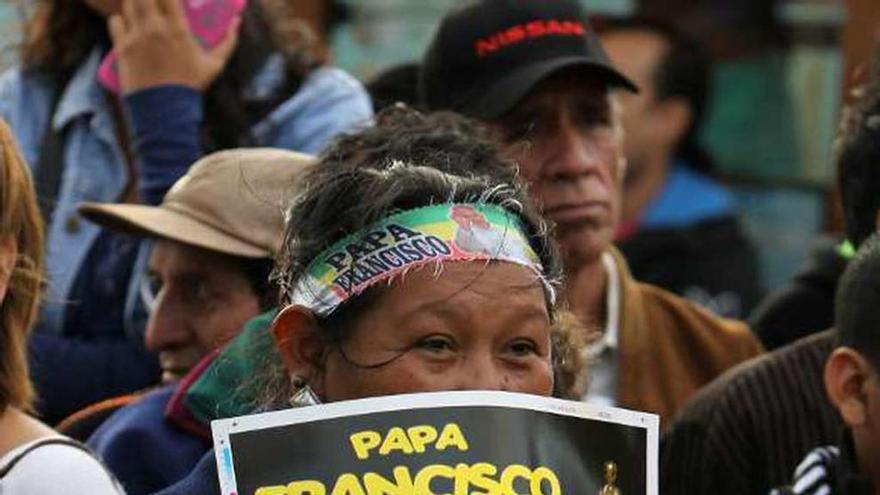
(487, 55)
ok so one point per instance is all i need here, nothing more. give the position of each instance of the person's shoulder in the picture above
(686, 314)
(16, 81)
(14, 78)
(696, 331)
(667, 312)
(58, 468)
(136, 419)
(25, 102)
(795, 369)
(327, 77)
(149, 404)
(328, 103)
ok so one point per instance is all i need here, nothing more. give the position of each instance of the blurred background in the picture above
(783, 70)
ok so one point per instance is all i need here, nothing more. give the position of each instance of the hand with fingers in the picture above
(156, 47)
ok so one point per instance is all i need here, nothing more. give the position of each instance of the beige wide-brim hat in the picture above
(232, 202)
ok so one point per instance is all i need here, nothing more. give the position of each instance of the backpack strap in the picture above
(4, 470)
(50, 162)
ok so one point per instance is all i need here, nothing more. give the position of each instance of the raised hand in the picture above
(155, 46)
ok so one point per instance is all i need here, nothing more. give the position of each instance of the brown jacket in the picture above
(670, 348)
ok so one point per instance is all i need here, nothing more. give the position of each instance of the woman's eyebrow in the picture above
(440, 308)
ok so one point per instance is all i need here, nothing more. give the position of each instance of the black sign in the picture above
(457, 443)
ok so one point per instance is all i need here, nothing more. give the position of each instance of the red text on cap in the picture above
(530, 30)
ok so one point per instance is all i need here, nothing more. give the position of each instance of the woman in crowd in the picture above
(33, 458)
(387, 290)
(178, 101)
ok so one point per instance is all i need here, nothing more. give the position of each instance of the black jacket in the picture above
(806, 304)
(747, 431)
(711, 263)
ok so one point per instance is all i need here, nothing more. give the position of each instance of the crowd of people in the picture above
(163, 248)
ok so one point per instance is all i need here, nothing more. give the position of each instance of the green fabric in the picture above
(223, 390)
(846, 250)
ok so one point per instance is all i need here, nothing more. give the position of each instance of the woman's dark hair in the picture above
(858, 159)
(61, 34)
(407, 160)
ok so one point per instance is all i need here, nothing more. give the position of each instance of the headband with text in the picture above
(406, 240)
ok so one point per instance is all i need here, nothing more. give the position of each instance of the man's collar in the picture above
(612, 301)
(82, 95)
(609, 340)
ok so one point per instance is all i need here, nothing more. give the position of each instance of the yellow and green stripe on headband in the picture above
(406, 240)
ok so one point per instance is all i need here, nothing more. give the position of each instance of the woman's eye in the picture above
(436, 344)
(523, 348)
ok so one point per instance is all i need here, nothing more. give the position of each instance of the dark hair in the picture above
(398, 83)
(682, 72)
(61, 34)
(857, 154)
(258, 273)
(858, 296)
(407, 160)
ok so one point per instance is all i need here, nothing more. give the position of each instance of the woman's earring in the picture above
(303, 395)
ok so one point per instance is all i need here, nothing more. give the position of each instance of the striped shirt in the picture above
(828, 471)
(747, 431)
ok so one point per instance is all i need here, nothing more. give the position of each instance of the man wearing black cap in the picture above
(536, 72)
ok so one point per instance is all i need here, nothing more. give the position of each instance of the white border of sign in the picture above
(223, 428)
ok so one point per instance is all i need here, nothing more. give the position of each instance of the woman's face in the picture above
(472, 327)
(105, 7)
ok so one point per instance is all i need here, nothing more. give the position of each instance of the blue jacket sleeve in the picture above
(165, 123)
(102, 369)
(203, 479)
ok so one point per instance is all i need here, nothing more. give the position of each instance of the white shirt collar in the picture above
(609, 338)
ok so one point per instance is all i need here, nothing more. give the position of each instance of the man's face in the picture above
(566, 136)
(202, 300)
(636, 54)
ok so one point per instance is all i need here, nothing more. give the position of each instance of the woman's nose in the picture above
(482, 373)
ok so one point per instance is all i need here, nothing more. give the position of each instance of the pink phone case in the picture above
(208, 19)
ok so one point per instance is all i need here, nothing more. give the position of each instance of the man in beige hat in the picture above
(215, 233)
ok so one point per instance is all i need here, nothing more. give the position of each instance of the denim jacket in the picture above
(328, 102)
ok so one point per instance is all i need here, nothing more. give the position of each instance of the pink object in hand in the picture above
(209, 20)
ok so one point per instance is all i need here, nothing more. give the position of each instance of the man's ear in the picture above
(846, 378)
(299, 341)
(676, 118)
